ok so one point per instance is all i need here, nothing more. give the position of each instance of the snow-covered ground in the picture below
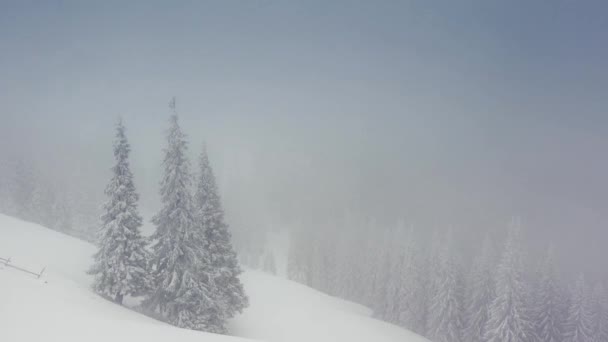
(60, 305)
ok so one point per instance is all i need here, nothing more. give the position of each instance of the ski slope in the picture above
(61, 306)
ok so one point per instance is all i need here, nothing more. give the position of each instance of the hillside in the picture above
(60, 304)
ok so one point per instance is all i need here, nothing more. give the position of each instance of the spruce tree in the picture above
(397, 258)
(183, 293)
(411, 295)
(548, 318)
(384, 289)
(221, 256)
(432, 282)
(578, 327)
(445, 314)
(480, 294)
(405, 277)
(509, 319)
(120, 266)
(296, 265)
(600, 314)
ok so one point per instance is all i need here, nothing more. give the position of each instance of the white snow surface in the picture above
(60, 306)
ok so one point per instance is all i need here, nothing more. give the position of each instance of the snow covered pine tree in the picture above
(120, 264)
(481, 292)
(411, 296)
(221, 256)
(509, 319)
(600, 314)
(445, 318)
(548, 316)
(579, 326)
(182, 292)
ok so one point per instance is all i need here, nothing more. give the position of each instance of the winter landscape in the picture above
(303, 171)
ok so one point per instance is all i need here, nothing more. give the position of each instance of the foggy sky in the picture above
(441, 113)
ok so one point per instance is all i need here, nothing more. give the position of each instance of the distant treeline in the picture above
(428, 288)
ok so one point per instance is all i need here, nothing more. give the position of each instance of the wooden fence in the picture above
(7, 262)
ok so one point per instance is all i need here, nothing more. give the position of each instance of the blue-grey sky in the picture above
(441, 112)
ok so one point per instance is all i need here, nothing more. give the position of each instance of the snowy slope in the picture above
(60, 305)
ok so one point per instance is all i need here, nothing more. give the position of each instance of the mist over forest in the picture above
(351, 141)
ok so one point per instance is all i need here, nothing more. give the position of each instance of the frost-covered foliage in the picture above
(383, 292)
(445, 320)
(579, 326)
(548, 314)
(120, 266)
(386, 304)
(413, 282)
(183, 291)
(600, 314)
(480, 294)
(60, 198)
(411, 293)
(433, 265)
(298, 266)
(509, 319)
(221, 257)
(26, 192)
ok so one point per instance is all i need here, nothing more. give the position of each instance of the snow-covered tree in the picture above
(294, 268)
(433, 265)
(24, 187)
(411, 294)
(120, 266)
(299, 258)
(579, 326)
(480, 293)
(445, 312)
(221, 255)
(509, 319)
(385, 280)
(183, 288)
(393, 286)
(62, 216)
(600, 314)
(396, 264)
(7, 169)
(547, 313)
(346, 265)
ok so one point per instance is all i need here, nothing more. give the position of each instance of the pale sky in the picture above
(443, 113)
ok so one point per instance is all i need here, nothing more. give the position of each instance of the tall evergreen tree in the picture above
(480, 294)
(395, 280)
(385, 279)
(548, 317)
(374, 281)
(411, 295)
(24, 187)
(360, 260)
(578, 327)
(509, 319)
(183, 293)
(433, 265)
(445, 314)
(600, 314)
(221, 255)
(346, 266)
(120, 266)
(298, 260)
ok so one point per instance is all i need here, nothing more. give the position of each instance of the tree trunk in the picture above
(118, 298)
